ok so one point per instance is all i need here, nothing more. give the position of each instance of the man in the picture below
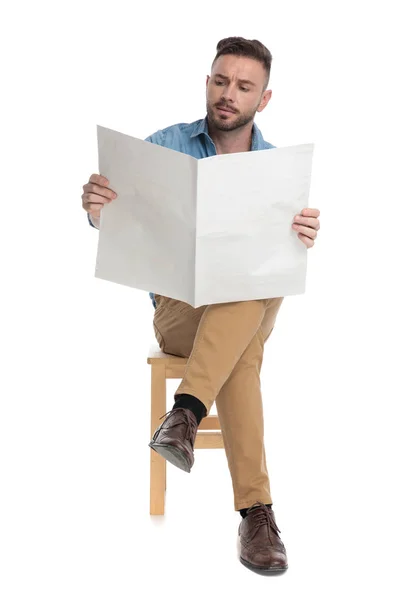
(223, 342)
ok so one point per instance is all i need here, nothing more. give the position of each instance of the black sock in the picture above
(243, 511)
(193, 404)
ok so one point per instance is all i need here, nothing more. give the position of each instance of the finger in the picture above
(308, 231)
(310, 212)
(306, 240)
(307, 221)
(100, 179)
(92, 188)
(89, 200)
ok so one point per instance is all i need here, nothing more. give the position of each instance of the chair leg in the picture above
(157, 463)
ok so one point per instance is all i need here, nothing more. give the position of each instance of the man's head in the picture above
(239, 79)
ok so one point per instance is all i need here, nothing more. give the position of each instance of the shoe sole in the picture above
(172, 455)
(263, 571)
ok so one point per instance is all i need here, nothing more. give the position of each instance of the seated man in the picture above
(223, 342)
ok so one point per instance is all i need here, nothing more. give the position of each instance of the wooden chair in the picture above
(163, 367)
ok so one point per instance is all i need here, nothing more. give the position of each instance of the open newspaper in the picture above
(204, 231)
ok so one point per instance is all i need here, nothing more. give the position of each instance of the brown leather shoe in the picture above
(174, 438)
(262, 550)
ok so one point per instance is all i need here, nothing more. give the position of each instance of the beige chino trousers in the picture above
(225, 345)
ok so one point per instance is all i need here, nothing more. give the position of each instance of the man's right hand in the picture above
(95, 194)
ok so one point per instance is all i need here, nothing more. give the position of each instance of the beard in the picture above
(218, 121)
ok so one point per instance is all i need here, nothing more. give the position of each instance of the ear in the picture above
(207, 80)
(266, 97)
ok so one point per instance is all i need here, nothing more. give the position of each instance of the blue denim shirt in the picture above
(193, 139)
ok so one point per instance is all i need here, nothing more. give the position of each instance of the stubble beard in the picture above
(220, 123)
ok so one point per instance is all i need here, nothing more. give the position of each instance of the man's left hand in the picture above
(307, 225)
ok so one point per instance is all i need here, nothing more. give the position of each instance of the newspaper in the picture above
(203, 231)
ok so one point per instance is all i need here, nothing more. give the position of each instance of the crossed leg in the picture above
(225, 345)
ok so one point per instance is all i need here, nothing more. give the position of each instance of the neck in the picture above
(237, 140)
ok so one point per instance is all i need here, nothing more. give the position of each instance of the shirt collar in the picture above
(257, 140)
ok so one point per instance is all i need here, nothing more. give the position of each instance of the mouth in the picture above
(224, 110)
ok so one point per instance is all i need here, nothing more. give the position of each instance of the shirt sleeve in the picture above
(90, 222)
(156, 138)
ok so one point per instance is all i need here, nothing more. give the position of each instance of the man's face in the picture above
(236, 83)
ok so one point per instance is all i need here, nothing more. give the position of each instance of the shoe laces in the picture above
(191, 426)
(263, 517)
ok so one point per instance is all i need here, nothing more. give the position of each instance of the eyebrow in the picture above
(240, 80)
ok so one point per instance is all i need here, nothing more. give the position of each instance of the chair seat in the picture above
(157, 355)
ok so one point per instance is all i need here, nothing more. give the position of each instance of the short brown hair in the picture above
(239, 46)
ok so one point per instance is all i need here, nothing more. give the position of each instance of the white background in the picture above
(75, 386)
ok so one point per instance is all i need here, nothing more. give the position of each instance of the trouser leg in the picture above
(178, 327)
(240, 411)
(223, 334)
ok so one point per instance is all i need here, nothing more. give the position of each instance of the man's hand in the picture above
(307, 224)
(96, 193)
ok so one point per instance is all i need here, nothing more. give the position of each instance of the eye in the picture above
(218, 83)
(244, 89)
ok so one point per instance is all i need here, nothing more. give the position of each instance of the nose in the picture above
(229, 93)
